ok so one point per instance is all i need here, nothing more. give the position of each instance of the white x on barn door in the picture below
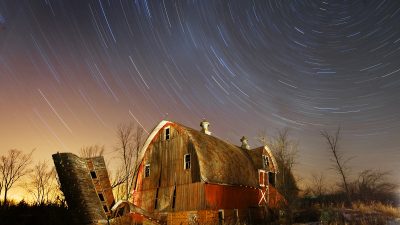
(263, 197)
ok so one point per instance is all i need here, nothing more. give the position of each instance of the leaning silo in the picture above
(79, 190)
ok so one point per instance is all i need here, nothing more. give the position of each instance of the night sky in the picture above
(71, 71)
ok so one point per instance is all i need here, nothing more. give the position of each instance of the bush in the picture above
(25, 214)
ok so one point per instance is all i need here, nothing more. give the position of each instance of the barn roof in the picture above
(258, 161)
(219, 162)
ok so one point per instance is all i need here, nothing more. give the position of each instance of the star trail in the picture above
(71, 71)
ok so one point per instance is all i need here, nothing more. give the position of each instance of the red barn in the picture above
(189, 176)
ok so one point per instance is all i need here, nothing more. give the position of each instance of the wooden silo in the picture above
(86, 187)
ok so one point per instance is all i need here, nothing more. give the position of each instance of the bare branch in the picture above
(130, 141)
(374, 185)
(285, 152)
(43, 184)
(318, 184)
(91, 151)
(340, 163)
(13, 167)
(262, 138)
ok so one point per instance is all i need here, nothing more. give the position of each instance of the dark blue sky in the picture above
(71, 71)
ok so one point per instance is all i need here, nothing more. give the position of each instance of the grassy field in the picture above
(372, 213)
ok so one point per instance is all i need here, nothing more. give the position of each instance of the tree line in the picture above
(368, 186)
(40, 181)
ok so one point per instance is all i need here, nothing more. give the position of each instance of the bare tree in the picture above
(118, 179)
(92, 151)
(262, 138)
(130, 138)
(338, 159)
(318, 187)
(14, 165)
(285, 152)
(1, 179)
(43, 183)
(373, 185)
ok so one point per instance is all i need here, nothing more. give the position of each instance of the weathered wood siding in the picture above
(167, 172)
(102, 182)
(78, 188)
(190, 197)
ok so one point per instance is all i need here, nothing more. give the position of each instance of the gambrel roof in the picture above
(219, 162)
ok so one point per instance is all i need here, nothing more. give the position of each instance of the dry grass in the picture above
(377, 207)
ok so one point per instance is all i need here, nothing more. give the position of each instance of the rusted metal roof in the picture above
(221, 162)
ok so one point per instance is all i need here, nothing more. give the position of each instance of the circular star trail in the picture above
(71, 71)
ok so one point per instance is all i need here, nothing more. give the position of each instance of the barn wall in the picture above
(220, 197)
(188, 197)
(193, 217)
(166, 159)
(275, 198)
(211, 217)
(102, 182)
(230, 197)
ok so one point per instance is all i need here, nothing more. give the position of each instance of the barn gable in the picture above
(257, 154)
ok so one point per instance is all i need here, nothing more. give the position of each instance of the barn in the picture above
(185, 176)
(190, 176)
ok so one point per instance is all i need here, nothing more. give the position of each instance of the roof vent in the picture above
(204, 127)
(245, 144)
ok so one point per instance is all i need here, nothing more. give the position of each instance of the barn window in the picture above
(147, 170)
(105, 208)
(174, 198)
(156, 201)
(271, 178)
(167, 133)
(121, 211)
(220, 217)
(93, 174)
(265, 161)
(101, 197)
(236, 212)
(187, 161)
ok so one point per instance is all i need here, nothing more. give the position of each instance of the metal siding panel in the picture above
(220, 197)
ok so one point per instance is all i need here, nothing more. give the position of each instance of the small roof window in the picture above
(167, 133)
(147, 170)
(93, 174)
